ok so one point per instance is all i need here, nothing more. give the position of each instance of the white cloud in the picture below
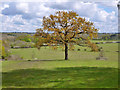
(112, 3)
(100, 15)
(3, 7)
(24, 16)
(41, 10)
(85, 9)
(23, 7)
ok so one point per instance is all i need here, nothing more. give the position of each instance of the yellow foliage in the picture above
(65, 27)
(2, 49)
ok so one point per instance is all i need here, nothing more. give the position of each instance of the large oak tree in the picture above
(65, 28)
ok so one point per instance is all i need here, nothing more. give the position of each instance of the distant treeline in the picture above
(20, 32)
(108, 36)
(101, 36)
(34, 32)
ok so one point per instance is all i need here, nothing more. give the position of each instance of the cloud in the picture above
(18, 24)
(27, 10)
(85, 9)
(89, 10)
(11, 10)
(59, 5)
(112, 3)
(109, 27)
(24, 7)
(27, 16)
(18, 9)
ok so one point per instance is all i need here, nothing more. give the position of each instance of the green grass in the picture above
(71, 77)
(82, 70)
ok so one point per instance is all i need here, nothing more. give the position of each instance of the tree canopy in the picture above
(65, 28)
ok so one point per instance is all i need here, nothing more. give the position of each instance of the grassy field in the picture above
(50, 70)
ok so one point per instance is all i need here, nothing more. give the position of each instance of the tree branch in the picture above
(73, 36)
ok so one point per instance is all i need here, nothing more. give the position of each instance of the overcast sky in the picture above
(27, 16)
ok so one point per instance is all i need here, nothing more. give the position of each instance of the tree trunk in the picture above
(66, 51)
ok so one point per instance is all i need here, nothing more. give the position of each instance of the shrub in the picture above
(85, 50)
(78, 49)
(5, 52)
(22, 57)
(73, 49)
(12, 46)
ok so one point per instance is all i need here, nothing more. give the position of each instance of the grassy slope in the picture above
(82, 70)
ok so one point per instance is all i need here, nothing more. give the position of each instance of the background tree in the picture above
(24, 37)
(65, 28)
(4, 49)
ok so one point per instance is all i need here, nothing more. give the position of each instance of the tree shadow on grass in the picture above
(71, 77)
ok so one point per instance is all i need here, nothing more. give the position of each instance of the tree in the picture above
(24, 37)
(5, 49)
(65, 28)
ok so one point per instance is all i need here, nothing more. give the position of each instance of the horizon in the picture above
(35, 32)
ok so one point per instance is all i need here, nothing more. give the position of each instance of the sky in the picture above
(21, 16)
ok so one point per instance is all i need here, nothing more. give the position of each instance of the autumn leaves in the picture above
(65, 28)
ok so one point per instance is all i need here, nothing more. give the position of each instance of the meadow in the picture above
(48, 69)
